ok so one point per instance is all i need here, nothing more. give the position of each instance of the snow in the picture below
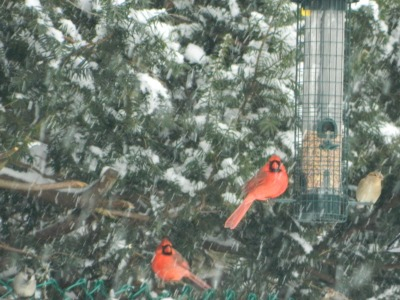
(27, 176)
(186, 186)
(307, 247)
(205, 146)
(225, 130)
(219, 14)
(195, 54)
(231, 198)
(84, 81)
(375, 9)
(33, 3)
(39, 152)
(389, 293)
(56, 34)
(84, 5)
(389, 131)
(70, 29)
(156, 92)
(228, 167)
(287, 138)
(234, 8)
(200, 120)
(96, 151)
(118, 2)
(146, 15)
(259, 20)
(183, 4)
(158, 29)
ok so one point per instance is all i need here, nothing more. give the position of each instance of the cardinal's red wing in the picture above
(180, 260)
(256, 181)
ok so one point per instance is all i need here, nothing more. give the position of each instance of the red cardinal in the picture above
(270, 182)
(169, 265)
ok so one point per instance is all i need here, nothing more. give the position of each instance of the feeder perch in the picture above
(320, 184)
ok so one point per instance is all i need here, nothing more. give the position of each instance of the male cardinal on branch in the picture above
(169, 265)
(271, 181)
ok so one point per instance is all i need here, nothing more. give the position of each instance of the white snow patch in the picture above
(307, 247)
(259, 19)
(84, 5)
(273, 150)
(231, 198)
(389, 131)
(220, 14)
(55, 64)
(234, 8)
(195, 54)
(70, 29)
(226, 131)
(187, 186)
(83, 81)
(39, 152)
(118, 2)
(56, 34)
(156, 92)
(287, 138)
(33, 3)
(200, 120)
(156, 204)
(390, 293)
(96, 151)
(27, 176)
(375, 9)
(121, 164)
(205, 146)
(231, 114)
(228, 168)
(182, 4)
(146, 15)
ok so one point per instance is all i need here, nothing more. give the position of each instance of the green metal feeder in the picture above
(320, 178)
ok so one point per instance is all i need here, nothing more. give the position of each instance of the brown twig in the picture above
(16, 250)
(22, 186)
(321, 276)
(118, 213)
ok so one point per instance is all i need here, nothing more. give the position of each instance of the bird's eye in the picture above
(274, 166)
(167, 249)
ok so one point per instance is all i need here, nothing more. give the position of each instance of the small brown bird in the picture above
(24, 283)
(332, 294)
(370, 187)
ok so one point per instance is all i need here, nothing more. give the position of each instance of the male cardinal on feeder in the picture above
(169, 265)
(370, 187)
(270, 182)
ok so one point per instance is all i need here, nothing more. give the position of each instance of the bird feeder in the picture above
(320, 179)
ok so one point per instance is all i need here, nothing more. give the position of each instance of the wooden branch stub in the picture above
(65, 226)
(90, 198)
(85, 203)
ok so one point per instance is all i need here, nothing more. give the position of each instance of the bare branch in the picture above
(21, 186)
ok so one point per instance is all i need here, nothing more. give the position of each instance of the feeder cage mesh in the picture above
(321, 131)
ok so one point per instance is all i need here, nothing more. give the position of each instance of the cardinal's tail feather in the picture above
(198, 282)
(238, 214)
